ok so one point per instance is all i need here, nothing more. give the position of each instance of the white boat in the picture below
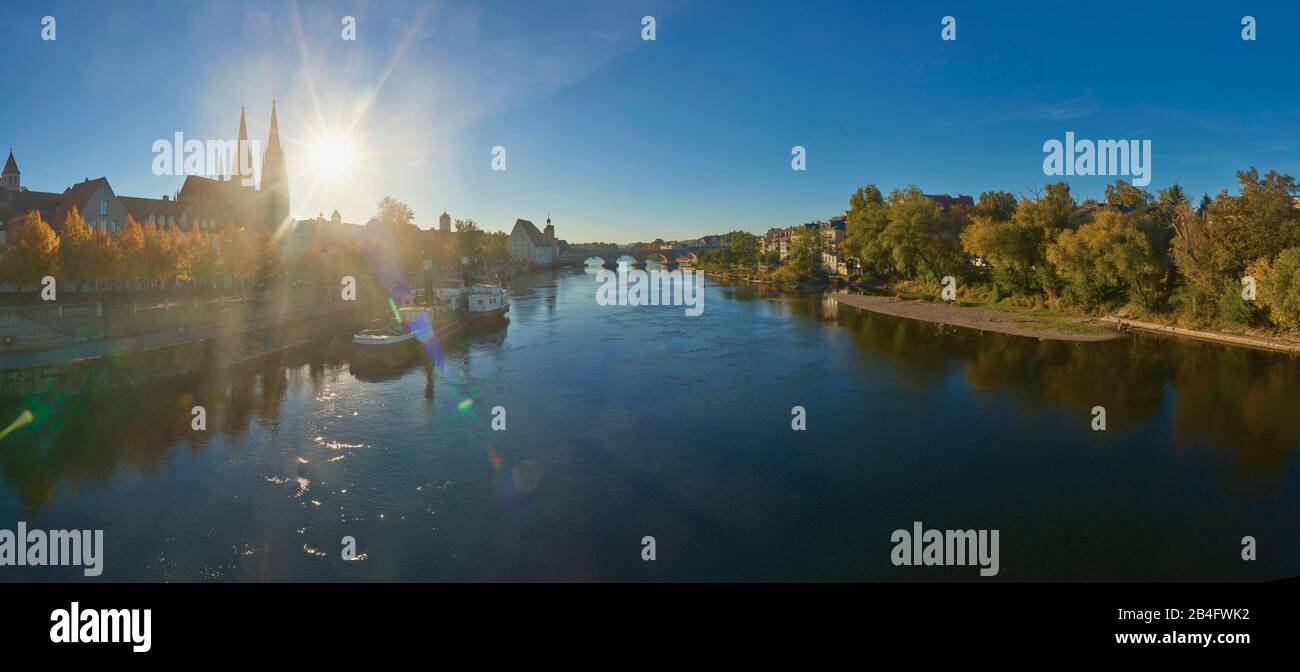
(383, 337)
(482, 303)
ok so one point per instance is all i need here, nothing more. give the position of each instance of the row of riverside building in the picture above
(834, 232)
(205, 203)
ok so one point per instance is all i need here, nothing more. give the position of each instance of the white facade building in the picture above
(529, 246)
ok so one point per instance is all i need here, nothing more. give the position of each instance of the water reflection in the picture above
(1238, 401)
(89, 439)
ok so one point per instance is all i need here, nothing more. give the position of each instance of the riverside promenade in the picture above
(104, 346)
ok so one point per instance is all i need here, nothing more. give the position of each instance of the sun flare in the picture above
(332, 156)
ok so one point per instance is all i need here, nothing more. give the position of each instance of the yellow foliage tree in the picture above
(32, 252)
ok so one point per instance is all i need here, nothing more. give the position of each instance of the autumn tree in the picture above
(77, 241)
(496, 247)
(198, 261)
(235, 253)
(1278, 286)
(132, 258)
(1106, 260)
(162, 253)
(32, 252)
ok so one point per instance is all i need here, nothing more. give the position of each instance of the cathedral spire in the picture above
(243, 167)
(275, 175)
(273, 143)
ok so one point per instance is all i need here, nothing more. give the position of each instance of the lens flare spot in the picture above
(25, 418)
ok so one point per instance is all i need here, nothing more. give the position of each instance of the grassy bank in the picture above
(1036, 319)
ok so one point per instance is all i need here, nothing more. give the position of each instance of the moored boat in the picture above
(482, 304)
(383, 337)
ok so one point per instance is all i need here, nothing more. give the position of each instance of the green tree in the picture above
(919, 240)
(468, 237)
(867, 218)
(744, 248)
(1261, 220)
(1012, 247)
(996, 205)
(1278, 285)
(1203, 258)
(1106, 260)
(1051, 212)
(1124, 193)
(805, 258)
(495, 247)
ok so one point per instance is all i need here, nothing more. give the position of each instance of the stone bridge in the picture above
(609, 259)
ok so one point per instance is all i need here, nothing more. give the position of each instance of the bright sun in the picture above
(332, 156)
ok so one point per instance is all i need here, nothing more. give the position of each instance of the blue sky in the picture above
(622, 139)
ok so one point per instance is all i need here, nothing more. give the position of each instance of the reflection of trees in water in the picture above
(1125, 377)
(1239, 401)
(88, 439)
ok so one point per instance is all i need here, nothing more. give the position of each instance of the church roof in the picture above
(531, 231)
(11, 166)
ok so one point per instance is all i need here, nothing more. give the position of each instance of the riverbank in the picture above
(1053, 326)
(1036, 324)
(1271, 343)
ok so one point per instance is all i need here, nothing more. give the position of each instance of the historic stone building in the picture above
(527, 245)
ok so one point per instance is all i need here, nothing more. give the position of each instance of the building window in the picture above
(103, 207)
(103, 225)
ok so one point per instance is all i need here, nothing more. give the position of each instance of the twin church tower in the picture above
(270, 203)
(205, 202)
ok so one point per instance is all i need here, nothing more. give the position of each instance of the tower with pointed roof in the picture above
(12, 177)
(242, 171)
(275, 176)
(444, 222)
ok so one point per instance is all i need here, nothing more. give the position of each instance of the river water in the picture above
(627, 422)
